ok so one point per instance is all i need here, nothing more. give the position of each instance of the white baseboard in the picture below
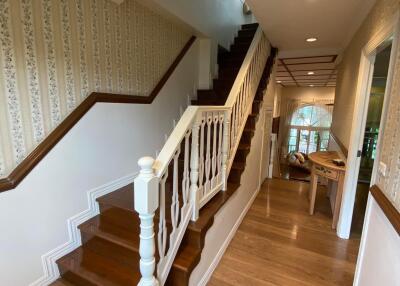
(50, 269)
(218, 257)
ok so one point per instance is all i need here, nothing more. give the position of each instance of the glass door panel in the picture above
(304, 141)
(292, 146)
(314, 142)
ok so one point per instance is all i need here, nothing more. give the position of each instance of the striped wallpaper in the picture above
(54, 53)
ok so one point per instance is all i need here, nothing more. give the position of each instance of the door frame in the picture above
(365, 75)
(268, 115)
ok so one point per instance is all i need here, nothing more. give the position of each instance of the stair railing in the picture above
(192, 168)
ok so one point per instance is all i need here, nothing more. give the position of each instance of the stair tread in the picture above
(238, 165)
(105, 228)
(244, 146)
(61, 282)
(117, 268)
(122, 198)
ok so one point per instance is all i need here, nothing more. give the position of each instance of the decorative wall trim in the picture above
(23, 169)
(49, 259)
(387, 207)
(224, 246)
(340, 144)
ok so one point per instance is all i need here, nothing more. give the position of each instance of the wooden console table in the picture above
(323, 166)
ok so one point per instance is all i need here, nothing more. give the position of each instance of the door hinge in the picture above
(359, 153)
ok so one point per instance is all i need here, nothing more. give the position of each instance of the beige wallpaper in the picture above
(383, 11)
(53, 53)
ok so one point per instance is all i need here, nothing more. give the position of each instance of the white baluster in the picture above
(225, 149)
(201, 159)
(220, 136)
(194, 169)
(146, 203)
(186, 178)
(207, 184)
(175, 194)
(162, 225)
(214, 152)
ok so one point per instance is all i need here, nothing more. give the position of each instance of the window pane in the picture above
(304, 138)
(315, 116)
(314, 138)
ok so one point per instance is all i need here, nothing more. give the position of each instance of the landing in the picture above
(278, 243)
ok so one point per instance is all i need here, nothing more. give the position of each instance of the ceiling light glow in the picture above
(311, 40)
(311, 73)
(311, 85)
(279, 81)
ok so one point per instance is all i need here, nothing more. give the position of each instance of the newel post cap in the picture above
(146, 187)
(146, 165)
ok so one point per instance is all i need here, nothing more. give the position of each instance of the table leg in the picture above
(313, 189)
(338, 200)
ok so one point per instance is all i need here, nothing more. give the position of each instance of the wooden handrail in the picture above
(24, 168)
(387, 207)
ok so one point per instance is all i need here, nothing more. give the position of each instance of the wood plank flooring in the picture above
(278, 243)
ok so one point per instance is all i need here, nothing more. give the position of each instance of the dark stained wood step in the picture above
(252, 26)
(247, 33)
(99, 262)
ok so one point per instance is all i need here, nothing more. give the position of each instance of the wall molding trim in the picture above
(387, 207)
(207, 275)
(49, 259)
(24, 168)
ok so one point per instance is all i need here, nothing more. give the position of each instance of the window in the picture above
(309, 129)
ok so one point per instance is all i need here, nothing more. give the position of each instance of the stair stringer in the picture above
(230, 216)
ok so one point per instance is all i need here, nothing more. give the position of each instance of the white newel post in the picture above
(194, 170)
(225, 149)
(146, 197)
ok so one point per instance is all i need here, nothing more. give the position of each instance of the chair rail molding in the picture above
(26, 166)
(387, 207)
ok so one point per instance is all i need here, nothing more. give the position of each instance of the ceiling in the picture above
(319, 71)
(287, 23)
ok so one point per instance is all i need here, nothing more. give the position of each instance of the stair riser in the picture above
(206, 95)
(241, 155)
(234, 176)
(246, 137)
(250, 26)
(74, 278)
(178, 278)
(251, 123)
(246, 33)
(243, 39)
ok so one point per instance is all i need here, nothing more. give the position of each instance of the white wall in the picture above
(102, 148)
(379, 258)
(230, 215)
(218, 20)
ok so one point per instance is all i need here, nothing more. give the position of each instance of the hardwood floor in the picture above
(278, 243)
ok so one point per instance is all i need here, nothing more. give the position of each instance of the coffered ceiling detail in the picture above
(319, 71)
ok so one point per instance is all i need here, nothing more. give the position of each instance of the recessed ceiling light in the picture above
(279, 81)
(311, 73)
(311, 85)
(310, 40)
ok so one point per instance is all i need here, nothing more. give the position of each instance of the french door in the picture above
(308, 139)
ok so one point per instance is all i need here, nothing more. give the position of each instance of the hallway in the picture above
(278, 243)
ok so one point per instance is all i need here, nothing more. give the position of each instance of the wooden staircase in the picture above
(109, 254)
